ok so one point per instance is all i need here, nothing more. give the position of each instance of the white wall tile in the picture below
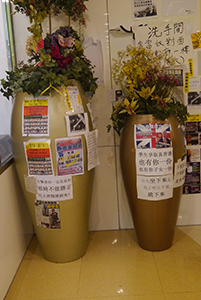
(104, 208)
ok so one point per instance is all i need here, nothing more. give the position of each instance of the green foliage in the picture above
(51, 64)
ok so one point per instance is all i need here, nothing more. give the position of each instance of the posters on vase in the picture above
(69, 152)
(48, 214)
(38, 156)
(154, 161)
(35, 117)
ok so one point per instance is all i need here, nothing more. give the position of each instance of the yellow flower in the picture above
(130, 108)
(145, 93)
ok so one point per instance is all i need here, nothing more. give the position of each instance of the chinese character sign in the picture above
(53, 188)
(155, 188)
(152, 162)
(169, 37)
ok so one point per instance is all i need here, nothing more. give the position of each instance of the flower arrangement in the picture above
(54, 59)
(146, 86)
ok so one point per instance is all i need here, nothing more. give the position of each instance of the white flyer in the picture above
(155, 187)
(54, 188)
(92, 149)
(152, 162)
(179, 173)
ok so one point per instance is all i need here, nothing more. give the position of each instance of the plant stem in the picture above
(68, 21)
(50, 20)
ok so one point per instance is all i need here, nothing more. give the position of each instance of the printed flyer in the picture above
(35, 120)
(38, 156)
(69, 153)
(48, 214)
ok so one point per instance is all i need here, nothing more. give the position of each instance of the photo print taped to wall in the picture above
(144, 8)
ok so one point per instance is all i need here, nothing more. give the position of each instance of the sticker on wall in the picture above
(92, 149)
(151, 162)
(179, 172)
(38, 156)
(155, 188)
(57, 188)
(69, 152)
(152, 135)
(196, 40)
(77, 124)
(35, 120)
(73, 99)
(48, 214)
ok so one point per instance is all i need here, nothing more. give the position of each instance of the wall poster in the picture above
(193, 145)
(154, 161)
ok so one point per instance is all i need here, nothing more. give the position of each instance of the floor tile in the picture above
(38, 279)
(119, 273)
(115, 268)
(184, 241)
(34, 250)
(179, 271)
(192, 231)
(183, 296)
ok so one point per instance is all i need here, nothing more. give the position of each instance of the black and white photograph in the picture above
(144, 8)
(77, 124)
(194, 98)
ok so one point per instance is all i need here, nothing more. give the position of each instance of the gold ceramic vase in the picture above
(70, 241)
(154, 221)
